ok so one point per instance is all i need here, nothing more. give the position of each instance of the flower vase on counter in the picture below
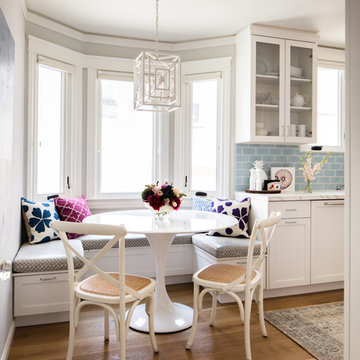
(257, 176)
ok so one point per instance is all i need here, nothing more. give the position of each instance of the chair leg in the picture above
(149, 308)
(106, 325)
(213, 308)
(248, 302)
(260, 302)
(122, 325)
(195, 317)
(71, 330)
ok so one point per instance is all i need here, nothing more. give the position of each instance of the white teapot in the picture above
(299, 100)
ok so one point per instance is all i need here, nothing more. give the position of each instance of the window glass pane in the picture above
(204, 135)
(126, 140)
(50, 130)
(329, 107)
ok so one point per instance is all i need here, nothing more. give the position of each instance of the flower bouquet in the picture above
(162, 199)
(309, 171)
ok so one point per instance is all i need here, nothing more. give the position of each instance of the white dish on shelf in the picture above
(260, 125)
(272, 73)
(262, 66)
(295, 71)
(262, 131)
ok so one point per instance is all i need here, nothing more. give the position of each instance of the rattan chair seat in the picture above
(224, 273)
(96, 284)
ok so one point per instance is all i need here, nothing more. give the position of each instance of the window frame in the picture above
(337, 65)
(68, 61)
(119, 69)
(200, 69)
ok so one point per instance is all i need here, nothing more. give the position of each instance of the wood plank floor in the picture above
(222, 342)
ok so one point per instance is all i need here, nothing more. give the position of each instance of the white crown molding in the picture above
(23, 8)
(125, 42)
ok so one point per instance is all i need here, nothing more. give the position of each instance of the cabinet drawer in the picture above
(40, 294)
(291, 209)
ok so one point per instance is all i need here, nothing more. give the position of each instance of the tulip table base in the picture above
(169, 316)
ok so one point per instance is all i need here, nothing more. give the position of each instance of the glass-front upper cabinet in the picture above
(275, 85)
(301, 96)
(268, 94)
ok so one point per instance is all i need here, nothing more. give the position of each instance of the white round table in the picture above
(169, 316)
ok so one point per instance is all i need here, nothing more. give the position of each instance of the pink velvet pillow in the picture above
(74, 210)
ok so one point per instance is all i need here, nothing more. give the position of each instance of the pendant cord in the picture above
(157, 28)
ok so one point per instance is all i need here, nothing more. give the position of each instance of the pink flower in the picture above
(159, 193)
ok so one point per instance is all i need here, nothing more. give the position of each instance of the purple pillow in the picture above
(74, 210)
(240, 210)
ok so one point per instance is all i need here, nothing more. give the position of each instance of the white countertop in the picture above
(296, 195)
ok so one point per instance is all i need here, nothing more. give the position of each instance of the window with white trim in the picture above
(52, 112)
(203, 152)
(126, 139)
(330, 107)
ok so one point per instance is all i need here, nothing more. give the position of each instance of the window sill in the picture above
(99, 205)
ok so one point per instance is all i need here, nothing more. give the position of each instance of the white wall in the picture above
(13, 12)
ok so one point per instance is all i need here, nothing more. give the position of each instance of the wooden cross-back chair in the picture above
(232, 279)
(105, 289)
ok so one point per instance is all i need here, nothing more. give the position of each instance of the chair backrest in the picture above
(117, 231)
(263, 230)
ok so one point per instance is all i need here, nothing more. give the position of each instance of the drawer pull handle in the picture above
(48, 278)
(291, 209)
(341, 203)
(290, 222)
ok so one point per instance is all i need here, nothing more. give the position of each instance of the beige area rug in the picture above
(319, 329)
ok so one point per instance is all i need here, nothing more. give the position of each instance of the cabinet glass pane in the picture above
(301, 64)
(267, 113)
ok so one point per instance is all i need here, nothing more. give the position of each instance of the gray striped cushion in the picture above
(93, 242)
(224, 247)
(49, 256)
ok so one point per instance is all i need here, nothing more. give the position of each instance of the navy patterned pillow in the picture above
(201, 203)
(240, 210)
(37, 218)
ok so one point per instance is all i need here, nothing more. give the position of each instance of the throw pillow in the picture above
(37, 218)
(74, 210)
(240, 210)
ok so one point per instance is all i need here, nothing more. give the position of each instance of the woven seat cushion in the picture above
(224, 247)
(49, 256)
(93, 242)
(224, 273)
(96, 284)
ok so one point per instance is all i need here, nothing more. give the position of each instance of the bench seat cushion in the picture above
(224, 247)
(94, 242)
(49, 256)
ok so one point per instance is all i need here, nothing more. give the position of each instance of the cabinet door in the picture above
(268, 75)
(327, 241)
(289, 254)
(301, 90)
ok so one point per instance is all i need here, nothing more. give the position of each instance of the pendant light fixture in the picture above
(157, 78)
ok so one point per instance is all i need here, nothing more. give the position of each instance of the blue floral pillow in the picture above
(37, 218)
(240, 210)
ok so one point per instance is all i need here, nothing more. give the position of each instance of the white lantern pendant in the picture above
(157, 78)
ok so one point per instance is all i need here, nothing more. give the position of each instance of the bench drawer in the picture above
(291, 209)
(41, 294)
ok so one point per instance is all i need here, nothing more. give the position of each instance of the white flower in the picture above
(177, 192)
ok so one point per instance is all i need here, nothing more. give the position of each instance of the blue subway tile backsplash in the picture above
(331, 174)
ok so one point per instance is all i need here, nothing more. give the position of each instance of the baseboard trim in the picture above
(8, 343)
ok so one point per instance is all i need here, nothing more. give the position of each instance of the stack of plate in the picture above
(261, 130)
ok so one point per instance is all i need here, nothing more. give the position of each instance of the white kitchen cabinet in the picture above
(307, 249)
(273, 66)
(289, 254)
(327, 241)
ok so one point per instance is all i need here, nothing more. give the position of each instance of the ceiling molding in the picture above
(24, 8)
(52, 25)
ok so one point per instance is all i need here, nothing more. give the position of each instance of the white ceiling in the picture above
(185, 20)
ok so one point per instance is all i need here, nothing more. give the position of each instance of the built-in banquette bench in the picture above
(40, 271)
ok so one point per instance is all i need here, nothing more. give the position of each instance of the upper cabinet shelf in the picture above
(280, 93)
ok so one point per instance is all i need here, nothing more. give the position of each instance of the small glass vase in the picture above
(308, 187)
(161, 217)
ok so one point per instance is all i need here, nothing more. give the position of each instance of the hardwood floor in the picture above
(223, 342)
